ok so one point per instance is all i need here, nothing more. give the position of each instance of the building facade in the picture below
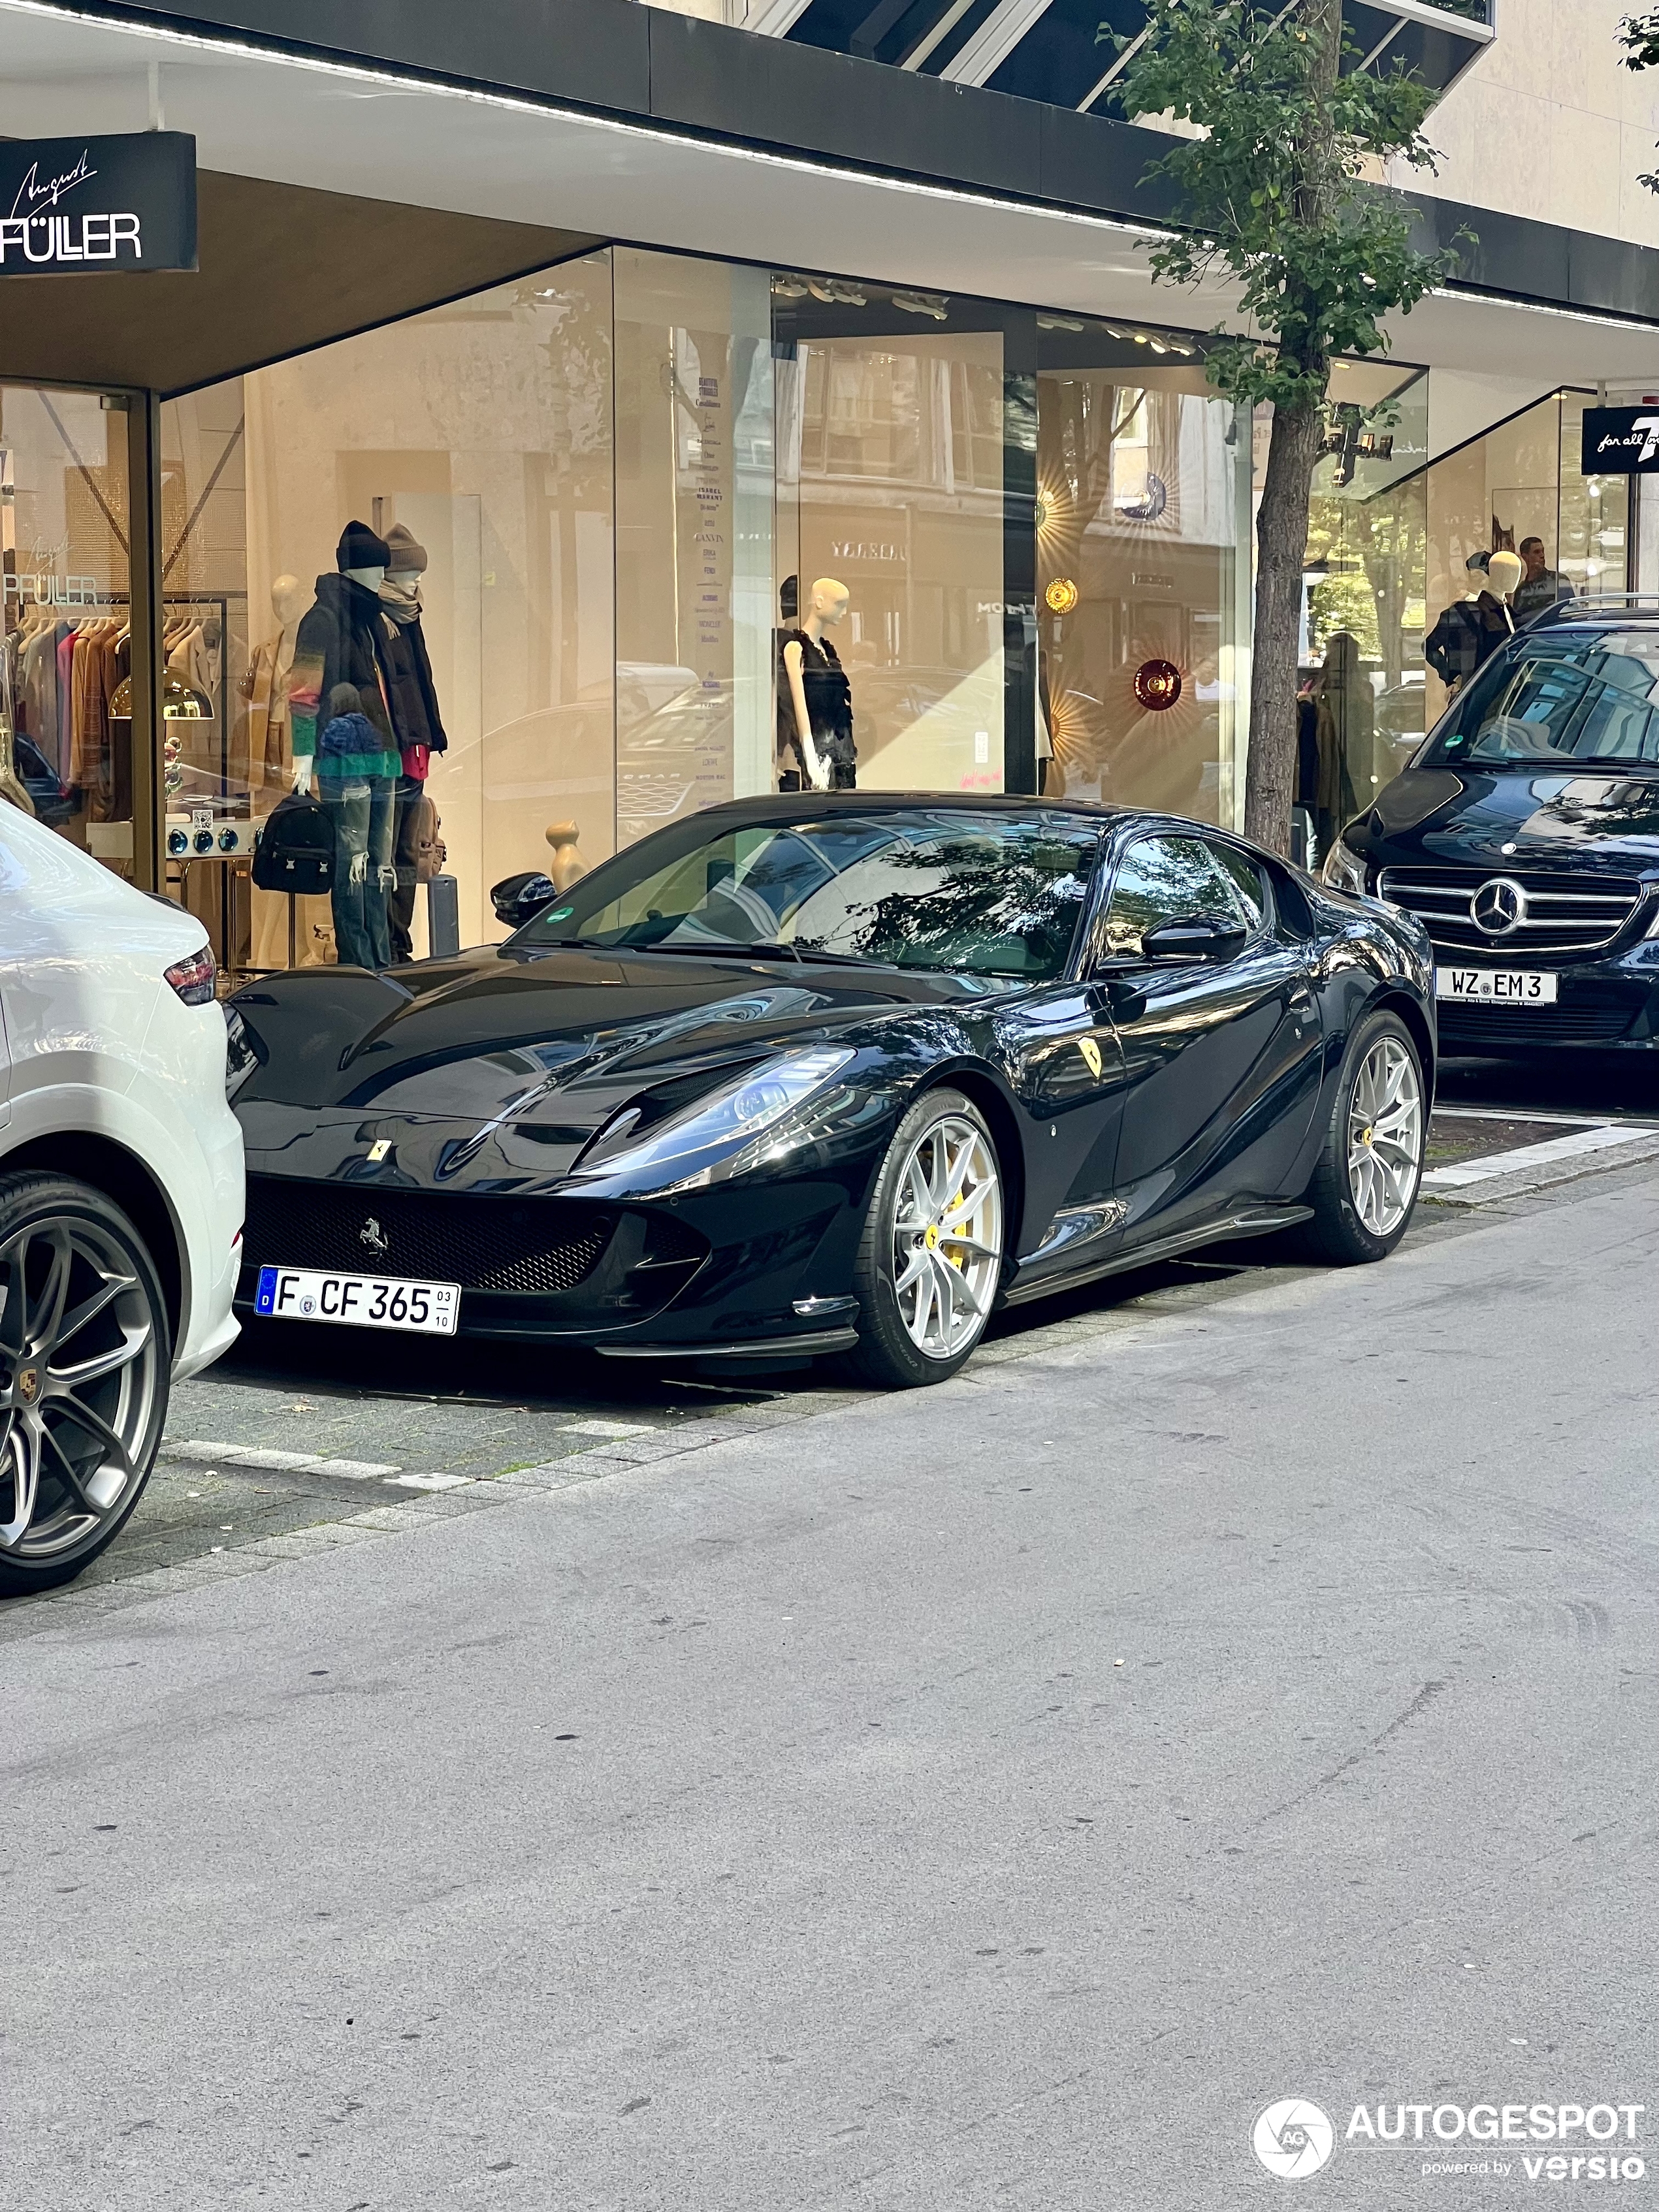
(627, 327)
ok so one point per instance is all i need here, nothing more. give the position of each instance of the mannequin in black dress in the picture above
(819, 693)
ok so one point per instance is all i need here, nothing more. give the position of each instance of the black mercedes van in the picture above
(1524, 836)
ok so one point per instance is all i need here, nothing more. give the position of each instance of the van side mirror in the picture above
(519, 899)
(1194, 937)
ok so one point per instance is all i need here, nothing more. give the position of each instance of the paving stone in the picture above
(277, 1462)
(306, 1543)
(354, 1470)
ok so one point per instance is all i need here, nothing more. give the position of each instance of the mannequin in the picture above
(416, 725)
(819, 693)
(265, 687)
(339, 675)
(567, 865)
(1469, 630)
(269, 768)
(1503, 573)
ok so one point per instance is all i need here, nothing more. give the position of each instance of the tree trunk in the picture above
(1281, 530)
(1281, 537)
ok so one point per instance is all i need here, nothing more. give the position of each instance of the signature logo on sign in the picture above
(33, 194)
(1648, 427)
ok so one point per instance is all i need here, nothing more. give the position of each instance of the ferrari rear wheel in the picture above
(1364, 1189)
(930, 1261)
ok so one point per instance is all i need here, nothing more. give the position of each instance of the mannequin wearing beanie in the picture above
(416, 725)
(339, 674)
(338, 642)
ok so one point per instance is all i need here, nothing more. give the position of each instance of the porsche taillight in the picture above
(193, 979)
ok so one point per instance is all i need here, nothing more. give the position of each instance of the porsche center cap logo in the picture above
(1499, 907)
(29, 1385)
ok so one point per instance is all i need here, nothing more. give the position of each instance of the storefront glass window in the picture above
(1361, 714)
(1138, 525)
(693, 536)
(1395, 616)
(65, 718)
(1592, 551)
(471, 448)
(890, 413)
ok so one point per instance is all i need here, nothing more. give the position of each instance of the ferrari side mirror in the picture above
(1194, 937)
(519, 899)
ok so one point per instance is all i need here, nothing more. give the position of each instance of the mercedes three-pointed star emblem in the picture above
(1499, 907)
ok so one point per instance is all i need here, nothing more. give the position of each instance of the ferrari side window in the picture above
(1162, 880)
(1248, 881)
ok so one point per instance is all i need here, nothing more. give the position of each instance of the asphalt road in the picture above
(991, 1796)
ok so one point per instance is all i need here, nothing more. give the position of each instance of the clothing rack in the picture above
(90, 604)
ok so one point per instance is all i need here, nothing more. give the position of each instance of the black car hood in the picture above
(1590, 820)
(539, 1053)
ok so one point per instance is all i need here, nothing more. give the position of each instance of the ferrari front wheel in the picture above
(930, 1260)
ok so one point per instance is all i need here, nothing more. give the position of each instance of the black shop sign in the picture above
(81, 206)
(1620, 442)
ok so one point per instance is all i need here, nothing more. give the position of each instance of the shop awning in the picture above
(338, 192)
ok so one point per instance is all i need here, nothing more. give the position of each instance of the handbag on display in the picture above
(294, 850)
(430, 850)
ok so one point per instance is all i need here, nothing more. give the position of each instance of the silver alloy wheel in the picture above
(80, 1368)
(1385, 1136)
(947, 1236)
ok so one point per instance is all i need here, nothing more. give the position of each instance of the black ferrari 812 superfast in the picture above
(836, 1074)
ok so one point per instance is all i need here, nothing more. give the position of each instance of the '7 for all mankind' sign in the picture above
(85, 204)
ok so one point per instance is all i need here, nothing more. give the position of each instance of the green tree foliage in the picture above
(1639, 36)
(1275, 195)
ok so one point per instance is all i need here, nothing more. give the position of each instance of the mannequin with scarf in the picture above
(338, 672)
(416, 725)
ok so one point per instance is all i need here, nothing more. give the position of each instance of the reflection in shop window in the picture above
(1137, 530)
(66, 639)
(890, 411)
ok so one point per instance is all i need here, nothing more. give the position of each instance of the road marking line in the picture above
(1527, 1156)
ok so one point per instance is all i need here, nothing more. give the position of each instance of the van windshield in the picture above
(1581, 698)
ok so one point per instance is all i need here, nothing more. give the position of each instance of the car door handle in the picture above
(1302, 997)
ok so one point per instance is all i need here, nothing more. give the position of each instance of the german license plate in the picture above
(358, 1300)
(1517, 987)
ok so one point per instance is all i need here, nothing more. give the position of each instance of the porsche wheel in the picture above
(1364, 1189)
(85, 1363)
(930, 1261)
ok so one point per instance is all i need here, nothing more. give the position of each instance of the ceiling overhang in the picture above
(318, 125)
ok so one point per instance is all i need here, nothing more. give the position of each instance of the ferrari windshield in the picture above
(993, 894)
(1558, 697)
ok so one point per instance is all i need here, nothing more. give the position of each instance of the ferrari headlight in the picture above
(1344, 870)
(240, 1058)
(731, 1130)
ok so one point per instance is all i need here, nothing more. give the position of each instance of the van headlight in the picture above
(764, 1113)
(1344, 870)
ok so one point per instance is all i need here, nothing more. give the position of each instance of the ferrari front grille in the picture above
(483, 1244)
